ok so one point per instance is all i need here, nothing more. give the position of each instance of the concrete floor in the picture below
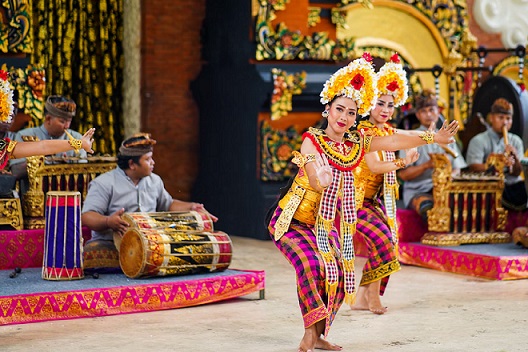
(428, 311)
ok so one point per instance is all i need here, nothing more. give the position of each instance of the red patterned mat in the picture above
(27, 298)
(504, 261)
(24, 248)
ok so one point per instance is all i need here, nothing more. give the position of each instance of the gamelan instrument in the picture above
(63, 242)
(177, 220)
(467, 208)
(168, 250)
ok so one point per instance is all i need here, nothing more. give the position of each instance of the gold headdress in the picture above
(392, 80)
(356, 81)
(6, 99)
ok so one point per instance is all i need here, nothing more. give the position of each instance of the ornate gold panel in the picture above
(467, 208)
(45, 177)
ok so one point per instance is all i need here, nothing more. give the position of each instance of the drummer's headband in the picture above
(137, 145)
(502, 106)
(60, 106)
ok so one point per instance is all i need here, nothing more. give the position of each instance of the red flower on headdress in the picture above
(395, 58)
(3, 75)
(522, 86)
(367, 56)
(393, 86)
(405, 107)
(357, 81)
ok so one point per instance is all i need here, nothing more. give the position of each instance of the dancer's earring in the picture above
(325, 114)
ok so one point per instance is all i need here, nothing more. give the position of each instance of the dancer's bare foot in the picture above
(379, 310)
(373, 298)
(368, 298)
(309, 339)
(322, 344)
(361, 300)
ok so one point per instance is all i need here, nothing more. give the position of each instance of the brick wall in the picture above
(170, 61)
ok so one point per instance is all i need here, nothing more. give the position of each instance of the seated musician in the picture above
(497, 139)
(11, 149)
(58, 114)
(417, 177)
(131, 187)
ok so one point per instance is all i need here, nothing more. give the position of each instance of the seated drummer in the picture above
(131, 187)
(500, 118)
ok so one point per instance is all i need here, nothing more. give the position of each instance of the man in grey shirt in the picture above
(417, 177)
(131, 187)
(58, 114)
(493, 141)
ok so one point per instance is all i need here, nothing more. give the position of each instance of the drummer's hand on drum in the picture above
(200, 207)
(116, 223)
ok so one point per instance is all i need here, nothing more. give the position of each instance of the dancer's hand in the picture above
(87, 140)
(411, 155)
(323, 170)
(446, 134)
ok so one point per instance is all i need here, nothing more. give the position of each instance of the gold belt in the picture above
(299, 203)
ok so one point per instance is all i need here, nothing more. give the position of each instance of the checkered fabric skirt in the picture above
(383, 259)
(299, 246)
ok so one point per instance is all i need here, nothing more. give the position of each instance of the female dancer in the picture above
(10, 148)
(302, 225)
(374, 178)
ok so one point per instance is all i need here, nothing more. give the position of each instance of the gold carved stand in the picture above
(59, 175)
(11, 212)
(467, 208)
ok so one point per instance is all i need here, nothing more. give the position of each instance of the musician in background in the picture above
(131, 187)
(58, 114)
(417, 177)
(498, 139)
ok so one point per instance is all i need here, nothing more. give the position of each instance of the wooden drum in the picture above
(177, 220)
(63, 242)
(152, 252)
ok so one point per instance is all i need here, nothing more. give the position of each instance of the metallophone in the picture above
(467, 208)
(58, 174)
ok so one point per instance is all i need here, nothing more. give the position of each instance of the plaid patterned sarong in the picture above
(299, 246)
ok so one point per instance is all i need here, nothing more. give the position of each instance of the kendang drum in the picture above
(162, 252)
(177, 220)
(63, 243)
